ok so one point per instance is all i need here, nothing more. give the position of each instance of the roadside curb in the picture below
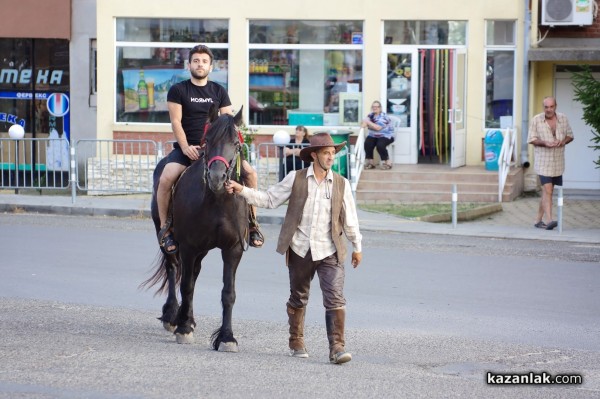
(462, 216)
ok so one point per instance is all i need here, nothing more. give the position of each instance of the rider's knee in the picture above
(251, 179)
(167, 178)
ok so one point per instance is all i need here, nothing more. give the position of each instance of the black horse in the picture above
(204, 217)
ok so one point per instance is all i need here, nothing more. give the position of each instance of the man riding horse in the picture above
(189, 102)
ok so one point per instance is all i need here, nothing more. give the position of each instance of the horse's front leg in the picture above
(223, 339)
(191, 263)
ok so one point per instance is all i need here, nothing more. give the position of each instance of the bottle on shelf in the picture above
(142, 90)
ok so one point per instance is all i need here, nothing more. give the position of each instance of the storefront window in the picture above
(297, 81)
(426, 32)
(31, 71)
(172, 30)
(500, 74)
(151, 67)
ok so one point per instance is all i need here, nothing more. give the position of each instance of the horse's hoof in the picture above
(169, 327)
(228, 347)
(185, 338)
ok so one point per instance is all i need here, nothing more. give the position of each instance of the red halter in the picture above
(218, 157)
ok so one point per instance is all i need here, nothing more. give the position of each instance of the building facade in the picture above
(45, 67)
(565, 36)
(446, 72)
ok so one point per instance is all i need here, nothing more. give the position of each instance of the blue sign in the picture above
(58, 104)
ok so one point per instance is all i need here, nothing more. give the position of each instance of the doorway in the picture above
(425, 97)
(580, 170)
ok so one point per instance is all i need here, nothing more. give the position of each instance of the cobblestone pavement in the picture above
(522, 212)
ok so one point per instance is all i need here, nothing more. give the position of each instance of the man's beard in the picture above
(199, 75)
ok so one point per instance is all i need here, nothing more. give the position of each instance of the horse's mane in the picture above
(221, 128)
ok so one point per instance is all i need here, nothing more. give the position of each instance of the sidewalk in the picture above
(581, 215)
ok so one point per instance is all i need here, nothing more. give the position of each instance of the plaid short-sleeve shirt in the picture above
(549, 161)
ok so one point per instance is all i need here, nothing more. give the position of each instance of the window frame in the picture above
(298, 47)
(494, 48)
(153, 45)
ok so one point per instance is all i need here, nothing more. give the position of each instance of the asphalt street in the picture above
(428, 316)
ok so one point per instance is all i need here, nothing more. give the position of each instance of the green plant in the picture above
(587, 92)
(248, 135)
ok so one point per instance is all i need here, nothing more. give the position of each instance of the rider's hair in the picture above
(201, 49)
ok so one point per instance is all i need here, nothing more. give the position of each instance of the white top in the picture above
(314, 231)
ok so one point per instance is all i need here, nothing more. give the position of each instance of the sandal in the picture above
(369, 166)
(386, 166)
(540, 225)
(166, 241)
(256, 238)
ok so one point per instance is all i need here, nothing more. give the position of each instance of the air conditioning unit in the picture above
(567, 12)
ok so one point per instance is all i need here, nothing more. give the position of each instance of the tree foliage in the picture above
(587, 92)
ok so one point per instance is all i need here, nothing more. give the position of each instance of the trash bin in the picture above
(492, 144)
(340, 164)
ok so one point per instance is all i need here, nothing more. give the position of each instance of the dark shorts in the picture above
(179, 157)
(555, 180)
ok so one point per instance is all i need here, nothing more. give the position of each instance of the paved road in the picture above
(428, 316)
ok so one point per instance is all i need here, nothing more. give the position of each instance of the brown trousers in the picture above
(331, 278)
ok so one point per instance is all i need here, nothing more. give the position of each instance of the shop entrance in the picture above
(425, 97)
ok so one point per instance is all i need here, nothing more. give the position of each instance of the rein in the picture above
(237, 156)
(229, 168)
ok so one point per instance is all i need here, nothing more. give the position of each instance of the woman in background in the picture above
(381, 134)
(292, 150)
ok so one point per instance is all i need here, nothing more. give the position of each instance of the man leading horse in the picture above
(189, 102)
(321, 208)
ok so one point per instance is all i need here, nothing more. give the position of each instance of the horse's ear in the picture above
(213, 113)
(237, 119)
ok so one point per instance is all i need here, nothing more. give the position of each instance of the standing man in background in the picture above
(549, 132)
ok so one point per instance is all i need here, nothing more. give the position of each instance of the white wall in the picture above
(580, 169)
(83, 29)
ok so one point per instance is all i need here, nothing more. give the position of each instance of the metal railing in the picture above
(272, 166)
(357, 160)
(115, 166)
(506, 159)
(34, 163)
(102, 167)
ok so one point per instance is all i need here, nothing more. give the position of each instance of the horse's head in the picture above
(223, 148)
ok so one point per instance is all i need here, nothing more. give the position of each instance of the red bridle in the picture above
(218, 157)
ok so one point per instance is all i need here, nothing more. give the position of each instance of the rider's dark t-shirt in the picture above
(195, 102)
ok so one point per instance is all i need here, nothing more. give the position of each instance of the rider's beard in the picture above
(199, 73)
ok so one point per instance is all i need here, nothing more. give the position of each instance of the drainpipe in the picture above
(525, 97)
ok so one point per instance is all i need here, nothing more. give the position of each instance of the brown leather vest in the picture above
(296, 208)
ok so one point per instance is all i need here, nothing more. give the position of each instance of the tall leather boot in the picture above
(335, 320)
(296, 321)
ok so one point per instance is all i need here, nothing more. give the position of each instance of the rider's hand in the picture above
(191, 151)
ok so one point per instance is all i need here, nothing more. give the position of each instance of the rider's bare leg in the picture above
(168, 177)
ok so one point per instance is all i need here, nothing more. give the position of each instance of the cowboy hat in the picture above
(319, 140)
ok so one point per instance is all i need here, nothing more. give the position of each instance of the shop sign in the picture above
(24, 76)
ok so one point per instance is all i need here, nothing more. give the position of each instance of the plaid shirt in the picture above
(314, 230)
(549, 161)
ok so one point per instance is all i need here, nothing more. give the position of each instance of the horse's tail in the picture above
(168, 272)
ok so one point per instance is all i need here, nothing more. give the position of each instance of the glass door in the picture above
(400, 92)
(457, 111)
